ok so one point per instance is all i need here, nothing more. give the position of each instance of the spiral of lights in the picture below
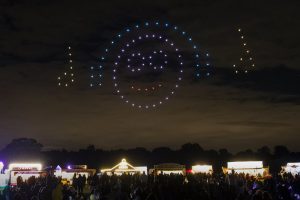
(126, 58)
(67, 79)
(246, 60)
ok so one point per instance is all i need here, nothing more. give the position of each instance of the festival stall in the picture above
(24, 171)
(292, 168)
(125, 167)
(168, 168)
(203, 169)
(253, 168)
(68, 174)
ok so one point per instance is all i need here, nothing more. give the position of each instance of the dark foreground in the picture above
(162, 187)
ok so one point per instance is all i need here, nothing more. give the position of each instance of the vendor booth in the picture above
(125, 167)
(203, 169)
(72, 171)
(168, 168)
(24, 171)
(292, 168)
(253, 168)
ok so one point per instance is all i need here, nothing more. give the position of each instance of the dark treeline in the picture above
(25, 149)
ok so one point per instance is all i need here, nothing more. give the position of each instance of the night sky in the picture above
(223, 111)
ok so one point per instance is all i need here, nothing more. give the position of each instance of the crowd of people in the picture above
(160, 187)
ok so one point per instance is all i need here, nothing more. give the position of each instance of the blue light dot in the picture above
(136, 26)
(166, 24)
(157, 23)
(128, 30)
(198, 74)
(183, 33)
(147, 24)
(190, 39)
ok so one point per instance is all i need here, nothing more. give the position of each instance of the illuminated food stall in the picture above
(73, 170)
(203, 169)
(125, 167)
(253, 168)
(24, 170)
(168, 168)
(293, 168)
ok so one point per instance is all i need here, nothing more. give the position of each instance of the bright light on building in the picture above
(25, 166)
(205, 169)
(292, 168)
(245, 165)
(125, 167)
(253, 168)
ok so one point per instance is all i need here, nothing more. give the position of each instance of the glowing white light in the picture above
(25, 166)
(206, 169)
(245, 165)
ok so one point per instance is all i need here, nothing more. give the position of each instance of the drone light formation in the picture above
(128, 55)
(96, 76)
(67, 78)
(246, 61)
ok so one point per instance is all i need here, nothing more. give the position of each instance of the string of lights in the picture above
(146, 89)
(246, 61)
(96, 76)
(67, 79)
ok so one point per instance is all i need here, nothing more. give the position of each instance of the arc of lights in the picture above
(67, 79)
(246, 60)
